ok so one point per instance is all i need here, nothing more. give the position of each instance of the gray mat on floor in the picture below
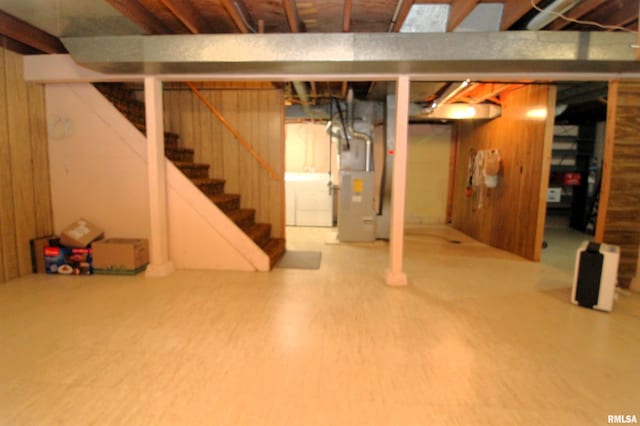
(300, 260)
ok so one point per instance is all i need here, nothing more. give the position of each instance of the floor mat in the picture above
(300, 260)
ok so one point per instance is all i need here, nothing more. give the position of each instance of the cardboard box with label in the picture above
(120, 256)
(80, 233)
(37, 246)
(68, 260)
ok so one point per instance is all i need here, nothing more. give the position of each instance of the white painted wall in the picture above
(98, 172)
(428, 173)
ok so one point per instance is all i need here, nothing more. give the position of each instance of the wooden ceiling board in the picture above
(372, 15)
(612, 12)
(163, 14)
(212, 12)
(271, 12)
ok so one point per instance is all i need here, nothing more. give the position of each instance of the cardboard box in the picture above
(37, 246)
(80, 234)
(68, 260)
(122, 256)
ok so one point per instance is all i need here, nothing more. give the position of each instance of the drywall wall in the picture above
(25, 199)
(511, 216)
(98, 171)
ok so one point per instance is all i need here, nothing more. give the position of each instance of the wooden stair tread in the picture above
(190, 165)
(258, 232)
(178, 149)
(275, 249)
(224, 197)
(242, 217)
(205, 181)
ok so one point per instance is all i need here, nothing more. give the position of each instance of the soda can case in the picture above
(596, 276)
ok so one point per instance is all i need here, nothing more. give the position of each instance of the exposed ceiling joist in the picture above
(513, 11)
(29, 35)
(621, 12)
(458, 11)
(188, 15)
(240, 15)
(346, 16)
(486, 92)
(293, 18)
(402, 9)
(140, 15)
(577, 12)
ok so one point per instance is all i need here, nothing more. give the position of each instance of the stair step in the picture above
(275, 248)
(193, 170)
(259, 232)
(171, 140)
(179, 154)
(209, 186)
(243, 217)
(226, 202)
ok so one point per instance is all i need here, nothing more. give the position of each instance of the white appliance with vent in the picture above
(596, 275)
(308, 200)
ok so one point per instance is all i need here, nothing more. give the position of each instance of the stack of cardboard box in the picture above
(81, 250)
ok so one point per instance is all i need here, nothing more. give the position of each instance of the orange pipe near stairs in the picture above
(235, 133)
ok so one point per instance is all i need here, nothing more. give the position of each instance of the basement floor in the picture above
(479, 336)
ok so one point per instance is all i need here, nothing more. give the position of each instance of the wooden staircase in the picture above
(198, 173)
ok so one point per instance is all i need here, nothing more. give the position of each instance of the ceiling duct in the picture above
(550, 13)
(472, 54)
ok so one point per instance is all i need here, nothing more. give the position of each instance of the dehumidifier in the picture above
(595, 277)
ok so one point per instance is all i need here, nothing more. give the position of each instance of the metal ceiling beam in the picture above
(140, 15)
(25, 33)
(186, 12)
(361, 53)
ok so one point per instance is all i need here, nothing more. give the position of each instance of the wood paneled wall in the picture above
(25, 196)
(258, 115)
(512, 215)
(619, 211)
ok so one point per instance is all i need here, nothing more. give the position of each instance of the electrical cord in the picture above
(578, 21)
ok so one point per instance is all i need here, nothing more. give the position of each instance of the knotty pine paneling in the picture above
(258, 115)
(25, 196)
(619, 213)
(509, 217)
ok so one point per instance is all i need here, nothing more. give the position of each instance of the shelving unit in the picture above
(572, 152)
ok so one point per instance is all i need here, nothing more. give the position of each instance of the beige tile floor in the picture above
(480, 337)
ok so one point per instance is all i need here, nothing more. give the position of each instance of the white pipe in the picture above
(395, 16)
(550, 13)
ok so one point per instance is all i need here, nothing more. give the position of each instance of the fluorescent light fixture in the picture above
(537, 113)
(426, 18)
(462, 111)
(484, 17)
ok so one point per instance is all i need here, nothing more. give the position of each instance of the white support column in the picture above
(159, 263)
(395, 275)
